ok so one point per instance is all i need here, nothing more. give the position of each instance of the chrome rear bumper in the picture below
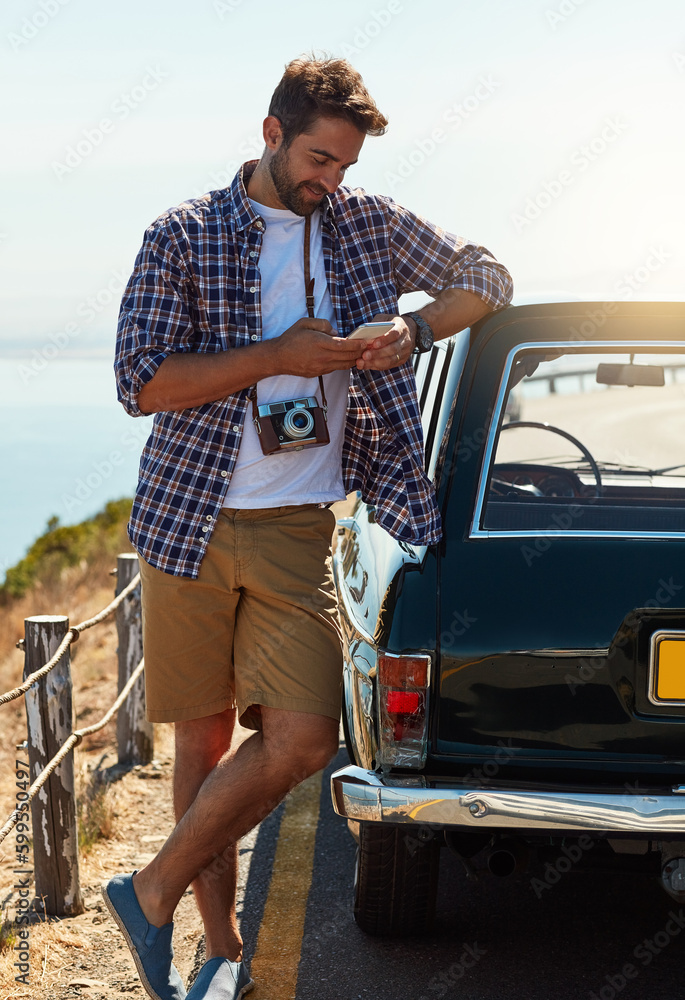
(364, 795)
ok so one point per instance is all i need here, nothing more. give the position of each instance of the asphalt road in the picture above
(573, 942)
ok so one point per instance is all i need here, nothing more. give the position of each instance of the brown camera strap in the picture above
(309, 296)
(308, 281)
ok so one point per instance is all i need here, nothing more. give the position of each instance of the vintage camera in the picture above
(291, 425)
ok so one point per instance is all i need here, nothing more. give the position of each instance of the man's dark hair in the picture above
(323, 88)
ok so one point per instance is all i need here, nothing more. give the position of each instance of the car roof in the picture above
(582, 321)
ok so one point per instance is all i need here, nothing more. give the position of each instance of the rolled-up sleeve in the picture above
(154, 319)
(428, 258)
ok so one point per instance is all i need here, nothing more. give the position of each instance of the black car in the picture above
(516, 693)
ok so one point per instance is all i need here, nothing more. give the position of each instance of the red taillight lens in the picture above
(403, 671)
(402, 702)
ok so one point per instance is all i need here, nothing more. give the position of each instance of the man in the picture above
(216, 329)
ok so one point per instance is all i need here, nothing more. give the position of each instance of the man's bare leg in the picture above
(200, 744)
(237, 794)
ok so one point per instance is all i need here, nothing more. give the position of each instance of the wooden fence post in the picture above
(49, 714)
(134, 732)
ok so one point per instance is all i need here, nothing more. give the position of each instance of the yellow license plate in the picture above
(670, 669)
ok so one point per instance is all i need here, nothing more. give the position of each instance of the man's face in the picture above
(314, 164)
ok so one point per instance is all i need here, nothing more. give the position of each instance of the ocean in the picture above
(66, 448)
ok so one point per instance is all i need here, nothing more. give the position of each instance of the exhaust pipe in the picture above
(508, 857)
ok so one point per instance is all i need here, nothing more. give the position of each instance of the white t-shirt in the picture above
(313, 475)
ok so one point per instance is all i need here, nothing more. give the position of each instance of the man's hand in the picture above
(392, 348)
(310, 347)
(449, 312)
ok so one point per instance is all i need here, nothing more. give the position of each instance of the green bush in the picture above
(62, 546)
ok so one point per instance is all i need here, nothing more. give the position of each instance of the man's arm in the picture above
(308, 348)
(449, 312)
(463, 278)
(157, 364)
(452, 310)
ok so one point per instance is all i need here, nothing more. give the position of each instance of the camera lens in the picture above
(298, 423)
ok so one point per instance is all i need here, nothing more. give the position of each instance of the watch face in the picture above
(425, 338)
(424, 335)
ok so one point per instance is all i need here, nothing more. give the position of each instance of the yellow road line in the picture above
(422, 805)
(277, 956)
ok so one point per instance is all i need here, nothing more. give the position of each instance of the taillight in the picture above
(402, 709)
(403, 702)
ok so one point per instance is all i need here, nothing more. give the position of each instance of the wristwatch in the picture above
(424, 334)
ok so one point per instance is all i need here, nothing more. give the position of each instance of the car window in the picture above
(437, 380)
(432, 384)
(588, 440)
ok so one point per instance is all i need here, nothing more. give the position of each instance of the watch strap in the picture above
(424, 333)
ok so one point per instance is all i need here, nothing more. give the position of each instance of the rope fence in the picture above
(71, 636)
(73, 740)
(48, 694)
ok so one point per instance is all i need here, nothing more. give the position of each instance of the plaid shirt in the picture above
(196, 287)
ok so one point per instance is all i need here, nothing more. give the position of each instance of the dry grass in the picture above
(7, 935)
(96, 813)
(76, 593)
(52, 948)
(96, 809)
(80, 592)
(139, 816)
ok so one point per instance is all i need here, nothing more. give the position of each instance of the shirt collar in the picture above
(240, 204)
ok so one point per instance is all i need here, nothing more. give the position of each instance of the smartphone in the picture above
(369, 331)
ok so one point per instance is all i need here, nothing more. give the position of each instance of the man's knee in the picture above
(308, 760)
(204, 741)
(302, 743)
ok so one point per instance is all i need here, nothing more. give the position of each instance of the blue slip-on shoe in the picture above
(150, 946)
(220, 979)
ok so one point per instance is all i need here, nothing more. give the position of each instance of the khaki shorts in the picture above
(258, 627)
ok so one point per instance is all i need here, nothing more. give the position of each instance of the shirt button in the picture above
(205, 528)
(260, 224)
(235, 428)
(209, 518)
(254, 337)
(224, 473)
(253, 288)
(253, 253)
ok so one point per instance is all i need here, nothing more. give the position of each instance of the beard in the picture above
(294, 196)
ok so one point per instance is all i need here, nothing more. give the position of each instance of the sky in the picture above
(549, 131)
